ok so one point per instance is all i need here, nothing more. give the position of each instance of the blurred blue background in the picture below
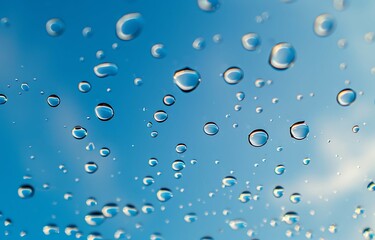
(36, 139)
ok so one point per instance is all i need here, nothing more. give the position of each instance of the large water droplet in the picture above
(105, 69)
(229, 181)
(245, 196)
(94, 218)
(160, 116)
(178, 165)
(55, 27)
(130, 210)
(258, 137)
(53, 100)
(233, 75)
(324, 25)
(299, 130)
(209, 5)
(282, 56)
(164, 194)
(84, 87)
(250, 41)
(104, 111)
(211, 128)
(187, 79)
(158, 51)
(26, 191)
(79, 132)
(129, 26)
(290, 218)
(346, 97)
(110, 210)
(91, 167)
(295, 198)
(279, 169)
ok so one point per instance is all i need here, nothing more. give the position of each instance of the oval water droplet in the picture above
(187, 79)
(181, 148)
(299, 130)
(94, 218)
(164, 194)
(229, 181)
(148, 180)
(26, 191)
(153, 162)
(233, 75)
(130, 210)
(160, 116)
(199, 43)
(178, 165)
(209, 5)
(278, 192)
(279, 169)
(290, 218)
(324, 25)
(84, 87)
(169, 100)
(55, 27)
(3, 99)
(346, 97)
(368, 234)
(245, 197)
(250, 41)
(158, 51)
(258, 138)
(211, 128)
(129, 26)
(53, 100)
(51, 229)
(105, 69)
(237, 224)
(295, 198)
(104, 152)
(148, 208)
(110, 210)
(282, 56)
(104, 111)
(91, 167)
(79, 132)
(371, 186)
(190, 217)
(355, 128)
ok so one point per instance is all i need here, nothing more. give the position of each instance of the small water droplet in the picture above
(229, 181)
(169, 100)
(84, 87)
(290, 218)
(91, 167)
(105, 69)
(55, 27)
(158, 51)
(199, 43)
(181, 148)
(130, 210)
(53, 100)
(295, 198)
(258, 137)
(355, 128)
(209, 5)
(278, 192)
(237, 224)
(245, 197)
(178, 165)
(164, 194)
(104, 152)
(279, 169)
(190, 217)
(3, 99)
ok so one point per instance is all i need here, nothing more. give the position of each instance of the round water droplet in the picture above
(258, 137)
(91, 202)
(3, 99)
(104, 111)
(25, 87)
(178, 165)
(240, 96)
(153, 162)
(282, 56)
(94, 218)
(158, 51)
(259, 83)
(164, 194)
(368, 234)
(237, 224)
(245, 196)
(148, 180)
(84, 87)
(278, 192)
(324, 25)
(25, 191)
(251, 41)
(91, 167)
(104, 152)
(87, 32)
(79, 132)
(279, 169)
(299, 130)
(51, 229)
(110, 210)
(55, 27)
(187, 79)
(129, 26)
(199, 43)
(295, 198)
(148, 208)
(169, 100)
(190, 217)
(332, 228)
(71, 230)
(209, 5)
(181, 148)
(355, 128)
(229, 181)
(53, 100)
(233, 75)
(94, 236)
(306, 161)
(290, 218)
(371, 186)
(346, 97)
(105, 69)
(160, 116)
(211, 128)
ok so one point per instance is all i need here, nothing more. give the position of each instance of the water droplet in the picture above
(299, 130)
(211, 128)
(164, 194)
(282, 56)
(129, 26)
(245, 196)
(240, 96)
(148, 208)
(258, 138)
(55, 27)
(346, 97)
(229, 181)
(104, 152)
(71, 230)
(94, 218)
(105, 69)
(209, 5)
(368, 234)
(181, 148)
(279, 169)
(199, 43)
(306, 161)
(148, 180)
(290, 218)
(190, 217)
(259, 83)
(178, 165)
(91, 167)
(371, 186)
(3, 99)
(355, 128)
(156, 236)
(158, 51)
(237, 224)
(79, 132)
(110, 210)
(324, 25)
(138, 81)
(187, 79)
(84, 87)
(251, 41)
(278, 192)
(91, 202)
(233, 75)
(94, 236)
(295, 198)
(160, 116)
(153, 162)
(332, 228)
(51, 229)
(169, 100)
(87, 32)
(104, 111)
(53, 100)
(25, 87)
(26, 191)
